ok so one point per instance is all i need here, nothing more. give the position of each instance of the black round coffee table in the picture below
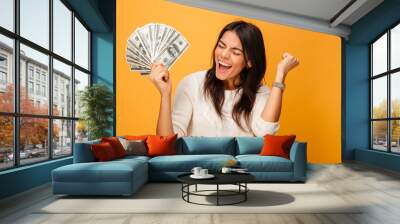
(238, 179)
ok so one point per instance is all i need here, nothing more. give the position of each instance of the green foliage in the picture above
(97, 104)
(380, 127)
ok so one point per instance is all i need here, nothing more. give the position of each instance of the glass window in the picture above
(40, 62)
(6, 74)
(379, 98)
(395, 47)
(385, 88)
(30, 87)
(81, 45)
(37, 89)
(7, 14)
(33, 140)
(34, 80)
(6, 142)
(62, 74)
(379, 56)
(395, 136)
(379, 135)
(3, 60)
(395, 95)
(81, 81)
(34, 21)
(30, 72)
(3, 78)
(62, 137)
(62, 29)
(43, 90)
(81, 131)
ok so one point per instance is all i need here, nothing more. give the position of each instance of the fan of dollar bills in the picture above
(154, 43)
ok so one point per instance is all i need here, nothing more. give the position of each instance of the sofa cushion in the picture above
(116, 145)
(185, 163)
(206, 145)
(249, 145)
(134, 147)
(161, 145)
(257, 163)
(277, 145)
(83, 152)
(111, 171)
(103, 152)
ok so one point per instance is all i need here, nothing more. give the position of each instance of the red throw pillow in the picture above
(103, 152)
(277, 145)
(116, 145)
(161, 145)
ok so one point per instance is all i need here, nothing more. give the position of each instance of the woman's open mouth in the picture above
(223, 67)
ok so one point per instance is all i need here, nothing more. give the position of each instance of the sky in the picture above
(34, 26)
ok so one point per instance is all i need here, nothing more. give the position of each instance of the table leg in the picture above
(217, 194)
(245, 193)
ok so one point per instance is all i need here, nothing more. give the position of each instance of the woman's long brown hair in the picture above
(250, 77)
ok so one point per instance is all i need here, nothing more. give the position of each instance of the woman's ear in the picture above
(249, 65)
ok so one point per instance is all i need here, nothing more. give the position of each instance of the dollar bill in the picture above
(154, 43)
(173, 51)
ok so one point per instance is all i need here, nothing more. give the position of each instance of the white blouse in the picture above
(194, 115)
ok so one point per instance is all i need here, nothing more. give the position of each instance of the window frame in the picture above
(388, 74)
(16, 114)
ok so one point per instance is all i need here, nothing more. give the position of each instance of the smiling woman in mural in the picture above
(229, 98)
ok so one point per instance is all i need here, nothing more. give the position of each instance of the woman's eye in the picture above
(236, 53)
(220, 46)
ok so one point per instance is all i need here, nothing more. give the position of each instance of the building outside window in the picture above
(385, 91)
(30, 87)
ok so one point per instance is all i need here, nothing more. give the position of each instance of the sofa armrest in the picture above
(83, 152)
(298, 155)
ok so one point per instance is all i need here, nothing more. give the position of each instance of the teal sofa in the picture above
(125, 176)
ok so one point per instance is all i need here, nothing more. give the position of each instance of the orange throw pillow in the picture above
(133, 137)
(277, 145)
(116, 145)
(161, 145)
(103, 152)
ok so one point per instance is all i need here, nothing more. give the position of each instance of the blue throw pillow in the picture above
(83, 152)
(206, 145)
(249, 145)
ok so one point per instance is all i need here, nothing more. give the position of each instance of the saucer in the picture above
(208, 176)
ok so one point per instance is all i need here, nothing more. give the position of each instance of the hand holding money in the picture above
(154, 43)
(159, 75)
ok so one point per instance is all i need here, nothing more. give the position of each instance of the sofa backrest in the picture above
(249, 145)
(205, 145)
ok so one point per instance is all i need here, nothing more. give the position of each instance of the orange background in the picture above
(312, 99)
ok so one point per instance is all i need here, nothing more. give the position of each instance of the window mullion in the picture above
(16, 84)
(73, 82)
(50, 87)
(389, 113)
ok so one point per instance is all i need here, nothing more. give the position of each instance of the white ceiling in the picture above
(326, 16)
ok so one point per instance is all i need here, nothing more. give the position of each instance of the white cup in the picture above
(196, 170)
(226, 170)
(203, 172)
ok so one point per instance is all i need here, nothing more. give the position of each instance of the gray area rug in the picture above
(166, 198)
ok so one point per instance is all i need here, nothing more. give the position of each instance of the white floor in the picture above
(378, 189)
